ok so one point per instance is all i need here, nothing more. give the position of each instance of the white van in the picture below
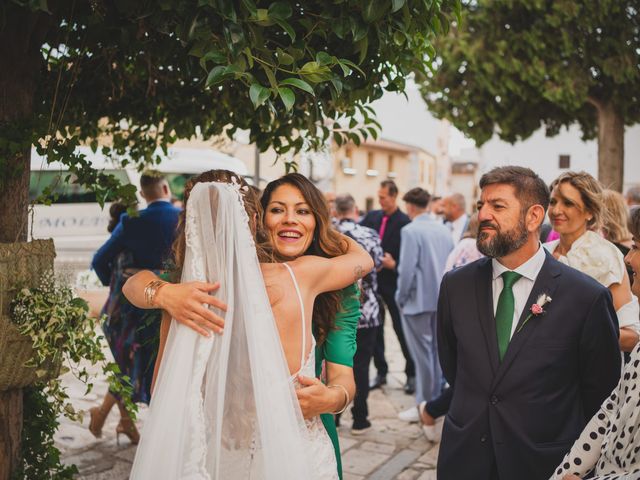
(76, 222)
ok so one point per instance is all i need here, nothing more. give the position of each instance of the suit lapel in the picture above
(484, 301)
(546, 282)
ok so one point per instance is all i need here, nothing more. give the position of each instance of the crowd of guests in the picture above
(539, 279)
(583, 226)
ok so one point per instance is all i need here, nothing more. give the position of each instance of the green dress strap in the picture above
(340, 347)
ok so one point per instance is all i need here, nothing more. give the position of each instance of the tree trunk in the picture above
(21, 35)
(610, 146)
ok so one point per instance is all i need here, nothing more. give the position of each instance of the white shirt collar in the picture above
(529, 269)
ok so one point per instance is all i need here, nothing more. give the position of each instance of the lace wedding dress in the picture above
(318, 441)
(224, 407)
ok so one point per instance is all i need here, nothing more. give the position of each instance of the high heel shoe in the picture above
(127, 428)
(98, 417)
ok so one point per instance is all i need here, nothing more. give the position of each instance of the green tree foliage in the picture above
(146, 73)
(514, 66)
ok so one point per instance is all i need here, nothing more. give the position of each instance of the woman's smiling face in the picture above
(633, 260)
(567, 211)
(290, 221)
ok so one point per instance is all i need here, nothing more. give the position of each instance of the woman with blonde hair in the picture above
(577, 211)
(608, 447)
(615, 227)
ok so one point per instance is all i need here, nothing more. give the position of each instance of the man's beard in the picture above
(502, 243)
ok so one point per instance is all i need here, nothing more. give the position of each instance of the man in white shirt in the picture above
(456, 218)
(528, 344)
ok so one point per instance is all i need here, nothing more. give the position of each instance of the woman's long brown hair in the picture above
(326, 242)
(251, 205)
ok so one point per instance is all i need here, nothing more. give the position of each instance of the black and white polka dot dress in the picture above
(610, 443)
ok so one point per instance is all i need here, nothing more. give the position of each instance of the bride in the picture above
(224, 407)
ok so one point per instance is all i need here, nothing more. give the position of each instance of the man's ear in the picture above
(534, 218)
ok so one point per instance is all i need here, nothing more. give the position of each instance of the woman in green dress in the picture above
(335, 314)
(339, 348)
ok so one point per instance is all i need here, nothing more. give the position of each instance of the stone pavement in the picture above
(392, 449)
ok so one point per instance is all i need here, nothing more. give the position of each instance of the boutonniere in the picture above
(536, 309)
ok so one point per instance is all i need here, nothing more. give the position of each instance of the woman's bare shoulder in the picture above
(271, 267)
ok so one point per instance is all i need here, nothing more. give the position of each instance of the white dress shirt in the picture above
(457, 227)
(522, 288)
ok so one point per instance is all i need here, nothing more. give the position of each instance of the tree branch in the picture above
(595, 102)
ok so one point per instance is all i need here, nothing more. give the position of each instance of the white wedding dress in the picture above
(318, 442)
(224, 407)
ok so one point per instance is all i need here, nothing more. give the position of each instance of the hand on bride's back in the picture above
(187, 304)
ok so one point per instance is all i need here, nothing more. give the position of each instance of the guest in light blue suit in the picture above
(425, 245)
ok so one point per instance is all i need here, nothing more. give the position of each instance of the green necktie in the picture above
(504, 311)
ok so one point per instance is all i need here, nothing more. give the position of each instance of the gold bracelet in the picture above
(151, 289)
(347, 400)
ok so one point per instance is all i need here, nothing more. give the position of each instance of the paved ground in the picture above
(392, 449)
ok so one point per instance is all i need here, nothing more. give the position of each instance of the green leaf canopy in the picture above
(147, 73)
(514, 66)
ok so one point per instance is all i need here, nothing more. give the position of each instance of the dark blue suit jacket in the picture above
(147, 237)
(518, 417)
(387, 279)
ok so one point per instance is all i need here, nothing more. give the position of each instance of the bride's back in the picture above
(287, 312)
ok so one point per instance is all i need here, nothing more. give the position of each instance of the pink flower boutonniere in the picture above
(536, 309)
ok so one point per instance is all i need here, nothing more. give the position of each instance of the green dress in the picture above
(340, 347)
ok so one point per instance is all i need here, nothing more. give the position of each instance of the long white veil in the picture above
(224, 407)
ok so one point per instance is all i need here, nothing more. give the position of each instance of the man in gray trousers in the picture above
(424, 247)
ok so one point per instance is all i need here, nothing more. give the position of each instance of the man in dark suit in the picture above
(387, 222)
(147, 237)
(529, 345)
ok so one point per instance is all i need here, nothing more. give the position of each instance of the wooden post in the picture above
(21, 265)
(10, 431)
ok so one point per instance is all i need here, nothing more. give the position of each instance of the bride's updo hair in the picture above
(327, 242)
(251, 205)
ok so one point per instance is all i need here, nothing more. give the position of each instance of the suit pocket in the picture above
(453, 423)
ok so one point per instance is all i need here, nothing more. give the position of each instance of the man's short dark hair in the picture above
(529, 187)
(150, 179)
(344, 204)
(391, 186)
(418, 197)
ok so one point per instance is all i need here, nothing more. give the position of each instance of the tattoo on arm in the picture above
(358, 272)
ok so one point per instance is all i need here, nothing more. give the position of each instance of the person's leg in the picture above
(389, 300)
(379, 361)
(438, 378)
(99, 414)
(365, 339)
(416, 329)
(126, 426)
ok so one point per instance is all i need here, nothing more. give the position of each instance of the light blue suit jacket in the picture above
(425, 246)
